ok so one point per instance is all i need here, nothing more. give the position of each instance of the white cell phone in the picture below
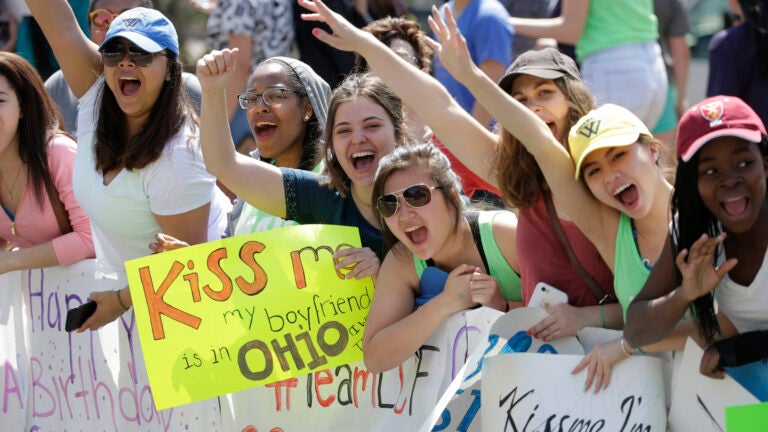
(546, 296)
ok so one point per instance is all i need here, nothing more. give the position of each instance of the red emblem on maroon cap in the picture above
(713, 112)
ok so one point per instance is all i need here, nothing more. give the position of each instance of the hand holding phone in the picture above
(77, 316)
(546, 296)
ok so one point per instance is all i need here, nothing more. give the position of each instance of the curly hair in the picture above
(390, 28)
(519, 177)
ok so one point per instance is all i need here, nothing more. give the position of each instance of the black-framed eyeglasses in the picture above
(112, 54)
(102, 18)
(271, 97)
(415, 196)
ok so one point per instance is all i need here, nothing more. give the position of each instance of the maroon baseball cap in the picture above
(715, 117)
(547, 63)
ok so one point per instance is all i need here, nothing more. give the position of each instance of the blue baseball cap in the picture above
(149, 29)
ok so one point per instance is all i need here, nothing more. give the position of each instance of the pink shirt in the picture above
(35, 225)
(542, 258)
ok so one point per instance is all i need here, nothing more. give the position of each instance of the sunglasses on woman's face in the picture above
(112, 54)
(415, 196)
(102, 18)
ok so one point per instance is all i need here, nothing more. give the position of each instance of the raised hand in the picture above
(344, 36)
(700, 275)
(215, 69)
(452, 47)
(359, 262)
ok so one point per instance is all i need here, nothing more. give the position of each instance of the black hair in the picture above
(694, 219)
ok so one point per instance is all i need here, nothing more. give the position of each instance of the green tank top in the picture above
(498, 267)
(629, 272)
(611, 23)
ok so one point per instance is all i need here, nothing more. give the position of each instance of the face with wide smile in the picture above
(623, 177)
(545, 99)
(362, 134)
(279, 128)
(423, 230)
(732, 176)
(136, 88)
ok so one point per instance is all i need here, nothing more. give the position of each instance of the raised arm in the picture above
(77, 55)
(473, 144)
(258, 183)
(553, 159)
(567, 28)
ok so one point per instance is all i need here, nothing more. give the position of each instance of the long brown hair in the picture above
(519, 177)
(40, 119)
(356, 86)
(114, 149)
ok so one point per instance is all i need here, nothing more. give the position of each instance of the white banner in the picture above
(350, 398)
(93, 381)
(699, 402)
(535, 392)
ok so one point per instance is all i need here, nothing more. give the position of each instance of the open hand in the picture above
(700, 276)
(452, 47)
(344, 36)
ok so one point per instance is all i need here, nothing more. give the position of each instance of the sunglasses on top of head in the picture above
(102, 18)
(416, 196)
(112, 54)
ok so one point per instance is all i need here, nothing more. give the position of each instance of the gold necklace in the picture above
(15, 180)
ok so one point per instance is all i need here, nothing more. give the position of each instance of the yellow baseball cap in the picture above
(608, 126)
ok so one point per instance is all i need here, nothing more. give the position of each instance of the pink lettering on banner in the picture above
(11, 387)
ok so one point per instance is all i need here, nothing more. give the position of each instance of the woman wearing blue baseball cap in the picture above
(139, 170)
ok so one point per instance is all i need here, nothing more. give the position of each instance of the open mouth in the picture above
(417, 235)
(264, 130)
(363, 161)
(627, 195)
(735, 207)
(129, 86)
(553, 128)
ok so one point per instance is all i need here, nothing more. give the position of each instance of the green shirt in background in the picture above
(612, 23)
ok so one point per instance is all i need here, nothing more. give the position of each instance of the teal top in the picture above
(611, 23)
(508, 280)
(629, 271)
(252, 220)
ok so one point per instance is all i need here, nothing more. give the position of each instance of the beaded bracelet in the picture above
(120, 301)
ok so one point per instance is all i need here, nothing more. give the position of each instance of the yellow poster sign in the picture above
(247, 311)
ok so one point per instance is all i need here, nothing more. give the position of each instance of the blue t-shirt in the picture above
(485, 25)
(307, 201)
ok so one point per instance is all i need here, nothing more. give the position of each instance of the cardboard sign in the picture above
(459, 407)
(699, 402)
(247, 311)
(90, 381)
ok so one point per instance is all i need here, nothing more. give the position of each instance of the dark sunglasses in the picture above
(112, 54)
(102, 18)
(415, 196)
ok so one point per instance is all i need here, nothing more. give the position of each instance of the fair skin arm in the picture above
(495, 71)
(681, 58)
(394, 330)
(77, 55)
(38, 256)
(237, 172)
(420, 91)
(567, 28)
(596, 221)
(191, 226)
(565, 320)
